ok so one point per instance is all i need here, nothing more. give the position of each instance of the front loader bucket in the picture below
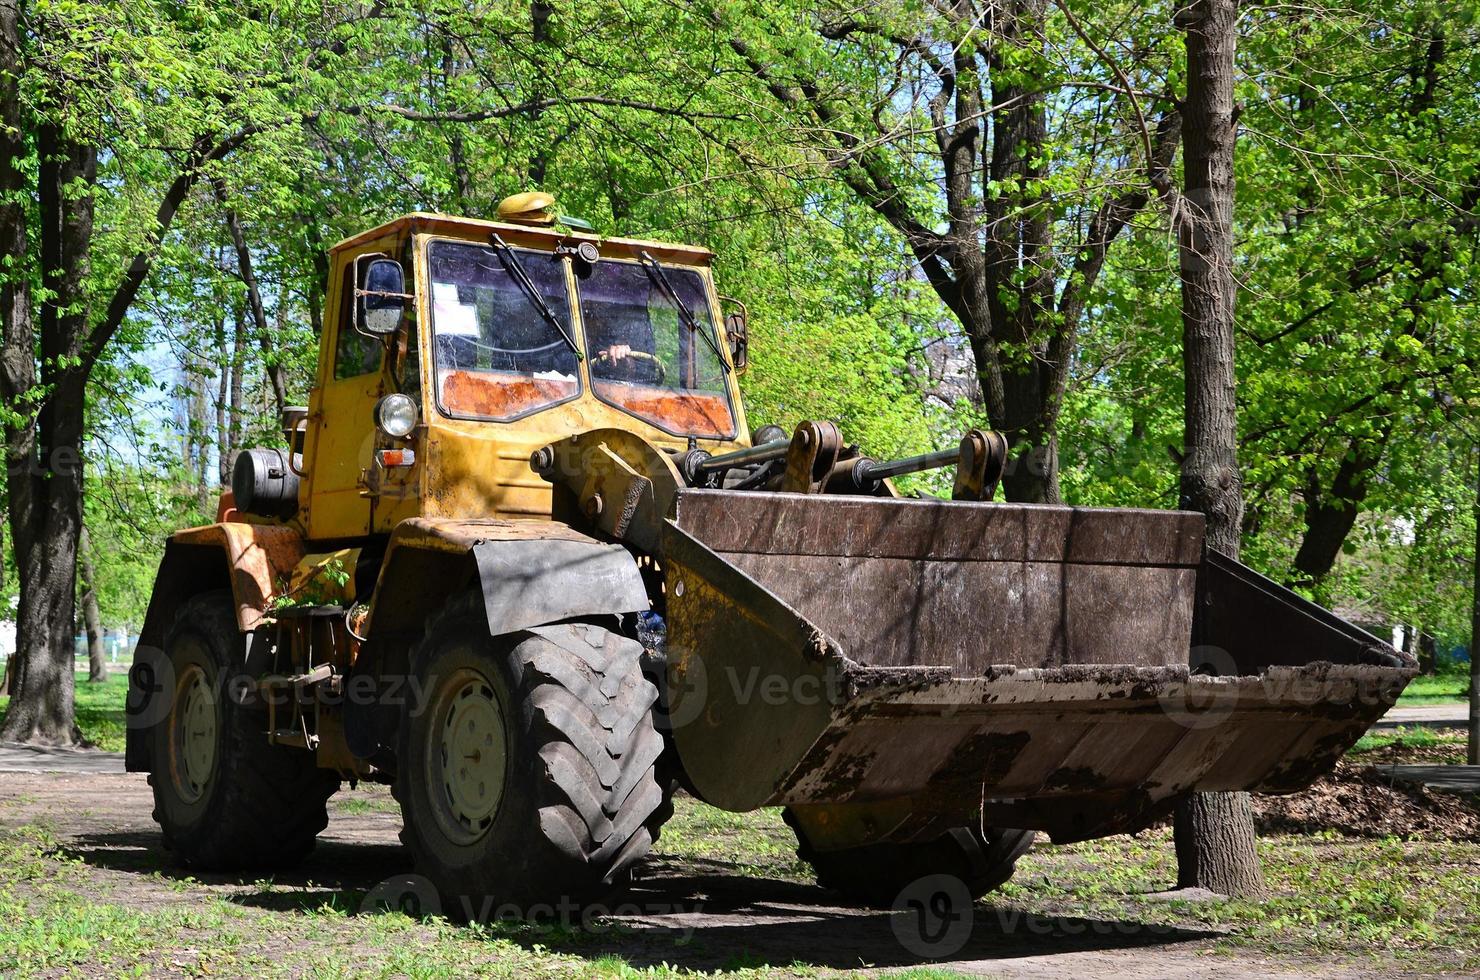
(1073, 670)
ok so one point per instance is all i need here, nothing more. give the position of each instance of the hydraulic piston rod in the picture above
(979, 462)
(764, 453)
(872, 471)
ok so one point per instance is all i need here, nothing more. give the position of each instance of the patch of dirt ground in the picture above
(1360, 801)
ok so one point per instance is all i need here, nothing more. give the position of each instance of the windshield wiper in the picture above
(516, 272)
(656, 273)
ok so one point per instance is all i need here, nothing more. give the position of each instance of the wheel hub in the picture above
(471, 757)
(193, 734)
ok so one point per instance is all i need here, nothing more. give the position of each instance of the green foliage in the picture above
(1357, 251)
(1357, 344)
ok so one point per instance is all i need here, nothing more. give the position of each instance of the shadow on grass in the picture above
(695, 914)
(336, 873)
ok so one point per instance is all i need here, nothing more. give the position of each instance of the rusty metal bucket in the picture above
(1073, 670)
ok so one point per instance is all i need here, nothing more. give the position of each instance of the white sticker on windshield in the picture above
(451, 317)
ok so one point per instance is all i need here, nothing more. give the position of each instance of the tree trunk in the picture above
(539, 20)
(97, 661)
(254, 301)
(200, 429)
(457, 157)
(17, 365)
(44, 474)
(44, 453)
(1473, 754)
(1214, 831)
(223, 400)
(234, 408)
(1331, 514)
(1428, 654)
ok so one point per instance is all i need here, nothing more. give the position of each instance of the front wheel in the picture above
(875, 874)
(528, 773)
(225, 798)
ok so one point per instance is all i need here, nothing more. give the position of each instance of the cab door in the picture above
(341, 429)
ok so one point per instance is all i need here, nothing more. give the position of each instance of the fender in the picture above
(249, 559)
(530, 572)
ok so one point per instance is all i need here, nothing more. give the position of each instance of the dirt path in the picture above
(1449, 715)
(687, 913)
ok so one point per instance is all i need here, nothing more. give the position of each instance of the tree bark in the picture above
(201, 425)
(457, 157)
(44, 452)
(232, 438)
(97, 661)
(1214, 831)
(17, 365)
(223, 397)
(1473, 753)
(1330, 514)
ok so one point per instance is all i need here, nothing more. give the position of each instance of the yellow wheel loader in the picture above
(522, 558)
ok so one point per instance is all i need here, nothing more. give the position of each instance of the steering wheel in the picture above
(520, 350)
(640, 355)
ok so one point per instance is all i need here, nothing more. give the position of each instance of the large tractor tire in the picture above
(875, 874)
(526, 775)
(225, 798)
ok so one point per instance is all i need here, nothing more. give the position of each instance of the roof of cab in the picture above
(452, 226)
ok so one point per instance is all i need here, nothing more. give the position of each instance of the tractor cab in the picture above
(461, 346)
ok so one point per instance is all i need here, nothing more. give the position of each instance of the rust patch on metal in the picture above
(706, 416)
(501, 394)
(261, 557)
(979, 755)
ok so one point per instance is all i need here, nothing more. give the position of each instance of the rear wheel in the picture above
(224, 797)
(528, 773)
(875, 874)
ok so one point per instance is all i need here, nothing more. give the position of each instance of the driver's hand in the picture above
(617, 352)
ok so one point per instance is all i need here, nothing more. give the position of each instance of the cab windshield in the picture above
(644, 360)
(496, 357)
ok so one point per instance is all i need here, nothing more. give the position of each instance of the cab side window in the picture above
(354, 353)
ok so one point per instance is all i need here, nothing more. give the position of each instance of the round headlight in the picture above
(396, 415)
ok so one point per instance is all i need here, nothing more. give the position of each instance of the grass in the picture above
(1370, 900)
(1413, 905)
(1418, 901)
(100, 710)
(55, 919)
(1445, 688)
(1411, 737)
(364, 803)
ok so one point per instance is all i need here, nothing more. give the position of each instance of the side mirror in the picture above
(737, 328)
(382, 297)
